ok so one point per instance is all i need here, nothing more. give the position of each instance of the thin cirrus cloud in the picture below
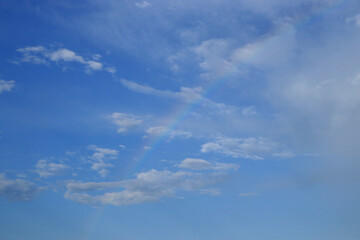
(6, 86)
(190, 96)
(143, 4)
(161, 130)
(255, 148)
(249, 194)
(201, 164)
(42, 55)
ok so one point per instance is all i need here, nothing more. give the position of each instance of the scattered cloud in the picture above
(143, 4)
(100, 159)
(149, 186)
(17, 189)
(252, 147)
(125, 121)
(161, 130)
(250, 194)
(6, 86)
(148, 148)
(201, 164)
(210, 191)
(186, 95)
(42, 55)
(225, 58)
(355, 19)
(47, 169)
(213, 58)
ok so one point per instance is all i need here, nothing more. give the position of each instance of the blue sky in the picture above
(179, 119)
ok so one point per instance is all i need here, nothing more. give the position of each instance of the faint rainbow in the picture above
(183, 112)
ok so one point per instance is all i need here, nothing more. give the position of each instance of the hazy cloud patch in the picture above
(6, 86)
(17, 189)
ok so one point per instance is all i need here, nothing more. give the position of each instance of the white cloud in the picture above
(6, 85)
(214, 59)
(42, 55)
(95, 65)
(143, 4)
(33, 54)
(125, 121)
(201, 164)
(224, 58)
(91, 186)
(96, 57)
(186, 95)
(195, 164)
(160, 130)
(250, 194)
(355, 19)
(64, 55)
(149, 186)
(147, 148)
(17, 189)
(210, 191)
(249, 111)
(111, 70)
(47, 169)
(252, 147)
(100, 159)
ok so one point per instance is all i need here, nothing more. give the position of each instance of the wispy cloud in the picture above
(42, 55)
(186, 95)
(148, 186)
(6, 86)
(201, 164)
(250, 194)
(100, 159)
(125, 121)
(46, 169)
(161, 130)
(143, 4)
(255, 148)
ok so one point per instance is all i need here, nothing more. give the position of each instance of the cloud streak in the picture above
(255, 148)
(42, 55)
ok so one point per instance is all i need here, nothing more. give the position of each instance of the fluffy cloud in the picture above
(17, 189)
(100, 159)
(63, 55)
(125, 121)
(148, 186)
(251, 147)
(201, 164)
(42, 55)
(6, 85)
(47, 169)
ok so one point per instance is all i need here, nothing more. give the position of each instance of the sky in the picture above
(198, 120)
